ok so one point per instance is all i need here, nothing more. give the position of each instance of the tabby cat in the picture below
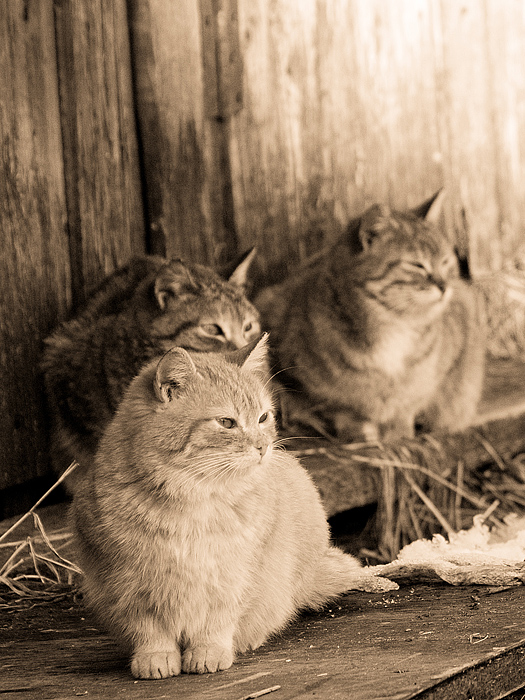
(139, 312)
(197, 537)
(379, 332)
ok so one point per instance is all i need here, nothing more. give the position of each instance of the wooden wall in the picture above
(202, 128)
(70, 192)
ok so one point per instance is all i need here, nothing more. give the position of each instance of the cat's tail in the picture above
(339, 572)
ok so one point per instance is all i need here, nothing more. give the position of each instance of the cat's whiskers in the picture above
(277, 389)
(194, 474)
(280, 440)
(210, 468)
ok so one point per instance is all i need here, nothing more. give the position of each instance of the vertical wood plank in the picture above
(166, 41)
(103, 186)
(267, 148)
(222, 97)
(188, 78)
(34, 265)
(466, 121)
(503, 33)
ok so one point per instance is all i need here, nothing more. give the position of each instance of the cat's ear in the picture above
(253, 356)
(173, 279)
(237, 272)
(173, 371)
(372, 223)
(432, 208)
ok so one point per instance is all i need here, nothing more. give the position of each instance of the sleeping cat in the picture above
(379, 331)
(197, 536)
(139, 312)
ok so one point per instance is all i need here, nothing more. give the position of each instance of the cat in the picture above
(379, 333)
(140, 311)
(198, 538)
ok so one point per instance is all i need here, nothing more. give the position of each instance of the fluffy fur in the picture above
(379, 332)
(197, 537)
(139, 312)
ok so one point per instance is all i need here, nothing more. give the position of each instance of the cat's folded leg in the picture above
(209, 655)
(348, 428)
(403, 426)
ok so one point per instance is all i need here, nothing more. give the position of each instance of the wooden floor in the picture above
(428, 642)
(424, 641)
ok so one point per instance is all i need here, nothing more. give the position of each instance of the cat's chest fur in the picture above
(386, 346)
(206, 542)
(392, 351)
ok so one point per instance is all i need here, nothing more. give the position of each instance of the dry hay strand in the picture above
(36, 568)
(503, 293)
(421, 493)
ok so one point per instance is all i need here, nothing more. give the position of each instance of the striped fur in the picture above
(140, 311)
(379, 332)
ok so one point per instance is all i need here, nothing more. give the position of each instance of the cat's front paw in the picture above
(206, 659)
(160, 664)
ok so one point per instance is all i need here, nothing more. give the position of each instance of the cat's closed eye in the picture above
(212, 329)
(227, 423)
(417, 267)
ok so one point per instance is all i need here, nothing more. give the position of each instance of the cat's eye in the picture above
(248, 327)
(212, 329)
(417, 268)
(263, 418)
(227, 423)
(420, 266)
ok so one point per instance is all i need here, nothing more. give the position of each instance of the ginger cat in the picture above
(198, 537)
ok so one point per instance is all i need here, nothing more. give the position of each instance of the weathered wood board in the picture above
(172, 88)
(105, 218)
(424, 641)
(347, 103)
(70, 194)
(34, 265)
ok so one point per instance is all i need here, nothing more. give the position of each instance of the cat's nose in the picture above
(236, 340)
(262, 449)
(440, 283)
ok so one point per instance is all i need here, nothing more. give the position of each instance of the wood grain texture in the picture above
(347, 103)
(429, 642)
(101, 160)
(166, 41)
(339, 112)
(34, 264)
